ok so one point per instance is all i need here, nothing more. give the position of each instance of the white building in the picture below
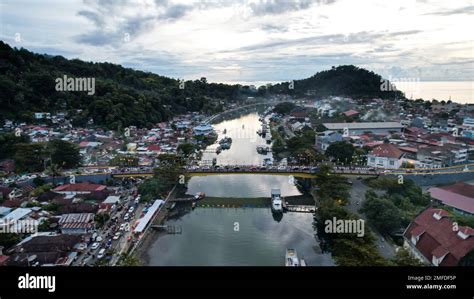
(385, 156)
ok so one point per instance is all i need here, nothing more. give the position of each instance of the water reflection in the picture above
(209, 236)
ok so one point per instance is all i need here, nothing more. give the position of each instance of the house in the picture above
(433, 238)
(444, 155)
(459, 196)
(80, 188)
(385, 155)
(299, 112)
(351, 113)
(43, 249)
(356, 128)
(324, 139)
(80, 223)
(154, 148)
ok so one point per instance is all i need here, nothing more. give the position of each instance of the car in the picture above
(117, 235)
(95, 245)
(281, 167)
(98, 239)
(101, 253)
(131, 210)
(122, 226)
(126, 217)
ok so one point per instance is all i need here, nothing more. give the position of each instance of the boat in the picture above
(268, 139)
(302, 263)
(277, 203)
(263, 149)
(193, 205)
(199, 195)
(173, 205)
(291, 258)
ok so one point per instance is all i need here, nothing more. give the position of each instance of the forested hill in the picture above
(346, 80)
(122, 96)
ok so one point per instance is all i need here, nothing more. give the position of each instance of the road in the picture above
(385, 248)
(89, 256)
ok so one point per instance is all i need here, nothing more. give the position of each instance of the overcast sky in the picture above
(245, 41)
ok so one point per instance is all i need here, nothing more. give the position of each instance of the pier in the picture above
(300, 208)
(170, 229)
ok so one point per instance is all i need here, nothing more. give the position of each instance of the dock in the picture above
(185, 199)
(170, 229)
(300, 208)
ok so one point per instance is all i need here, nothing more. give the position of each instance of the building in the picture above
(354, 129)
(203, 129)
(385, 155)
(44, 249)
(468, 127)
(433, 238)
(80, 188)
(324, 139)
(80, 223)
(444, 155)
(459, 196)
(351, 113)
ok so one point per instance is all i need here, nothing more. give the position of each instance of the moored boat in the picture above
(291, 258)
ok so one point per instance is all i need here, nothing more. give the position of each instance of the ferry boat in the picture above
(199, 195)
(291, 258)
(277, 203)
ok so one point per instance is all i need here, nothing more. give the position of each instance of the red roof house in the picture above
(80, 188)
(433, 237)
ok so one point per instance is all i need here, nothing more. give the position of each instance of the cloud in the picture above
(275, 7)
(467, 10)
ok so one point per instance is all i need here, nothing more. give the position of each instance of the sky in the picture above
(252, 41)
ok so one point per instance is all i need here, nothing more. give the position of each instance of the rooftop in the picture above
(362, 126)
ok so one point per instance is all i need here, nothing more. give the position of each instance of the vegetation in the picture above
(186, 149)
(284, 108)
(33, 157)
(345, 80)
(467, 260)
(341, 151)
(403, 258)
(394, 210)
(123, 97)
(347, 249)
(8, 240)
(166, 175)
(129, 261)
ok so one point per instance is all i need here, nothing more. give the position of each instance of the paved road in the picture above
(386, 249)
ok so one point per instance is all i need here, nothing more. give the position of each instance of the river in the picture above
(239, 230)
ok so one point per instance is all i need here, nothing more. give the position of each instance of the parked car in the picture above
(117, 235)
(95, 245)
(126, 217)
(101, 253)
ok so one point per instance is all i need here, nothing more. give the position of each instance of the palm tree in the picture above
(53, 170)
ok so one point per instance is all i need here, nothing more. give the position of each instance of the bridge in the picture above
(296, 171)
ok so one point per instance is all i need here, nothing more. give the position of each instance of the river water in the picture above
(237, 234)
